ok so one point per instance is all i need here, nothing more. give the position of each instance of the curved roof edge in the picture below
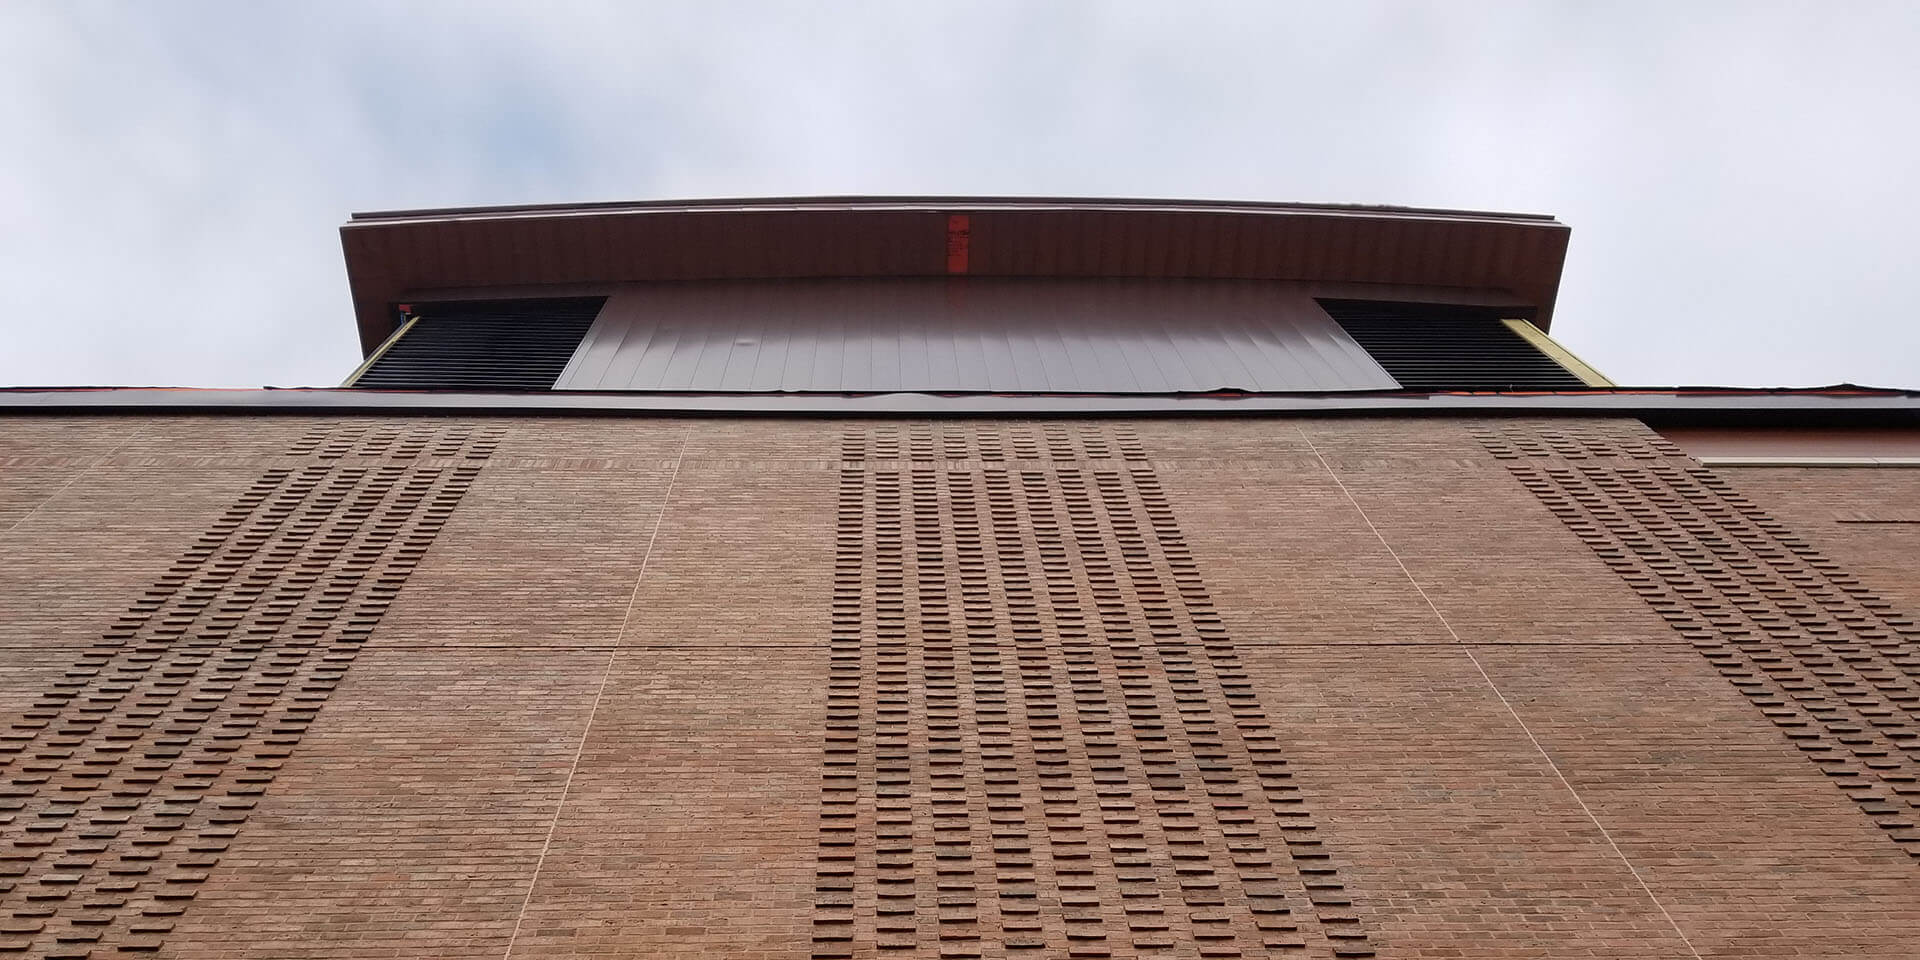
(887, 202)
(392, 256)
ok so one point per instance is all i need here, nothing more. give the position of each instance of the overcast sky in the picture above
(1741, 178)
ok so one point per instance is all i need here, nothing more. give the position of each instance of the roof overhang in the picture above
(395, 255)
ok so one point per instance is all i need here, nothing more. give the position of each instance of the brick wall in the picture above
(550, 687)
(1866, 518)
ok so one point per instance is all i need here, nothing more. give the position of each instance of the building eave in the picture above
(391, 256)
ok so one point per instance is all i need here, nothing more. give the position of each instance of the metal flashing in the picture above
(375, 356)
(1561, 355)
(881, 202)
(1754, 407)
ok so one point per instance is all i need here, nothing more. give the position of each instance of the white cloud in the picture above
(1738, 177)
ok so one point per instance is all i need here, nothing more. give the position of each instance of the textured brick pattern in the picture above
(127, 779)
(1831, 664)
(606, 713)
(1867, 519)
(1040, 739)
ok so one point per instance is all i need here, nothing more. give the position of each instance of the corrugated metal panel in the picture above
(1429, 346)
(483, 345)
(973, 335)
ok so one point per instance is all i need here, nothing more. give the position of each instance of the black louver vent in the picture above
(484, 345)
(1436, 347)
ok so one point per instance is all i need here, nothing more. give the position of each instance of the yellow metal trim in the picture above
(379, 351)
(1561, 355)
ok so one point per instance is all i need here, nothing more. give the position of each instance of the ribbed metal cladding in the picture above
(484, 345)
(978, 335)
(1439, 347)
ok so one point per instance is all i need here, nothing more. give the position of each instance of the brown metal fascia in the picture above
(948, 203)
(1544, 289)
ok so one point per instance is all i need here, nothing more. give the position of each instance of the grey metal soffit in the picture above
(974, 335)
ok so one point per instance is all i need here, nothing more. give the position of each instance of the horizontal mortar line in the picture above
(380, 647)
(1279, 644)
(1256, 644)
(376, 648)
(1330, 645)
(363, 648)
(1473, 643)
(894, 465)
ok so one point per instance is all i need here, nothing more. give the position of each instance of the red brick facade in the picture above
(571, 687)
